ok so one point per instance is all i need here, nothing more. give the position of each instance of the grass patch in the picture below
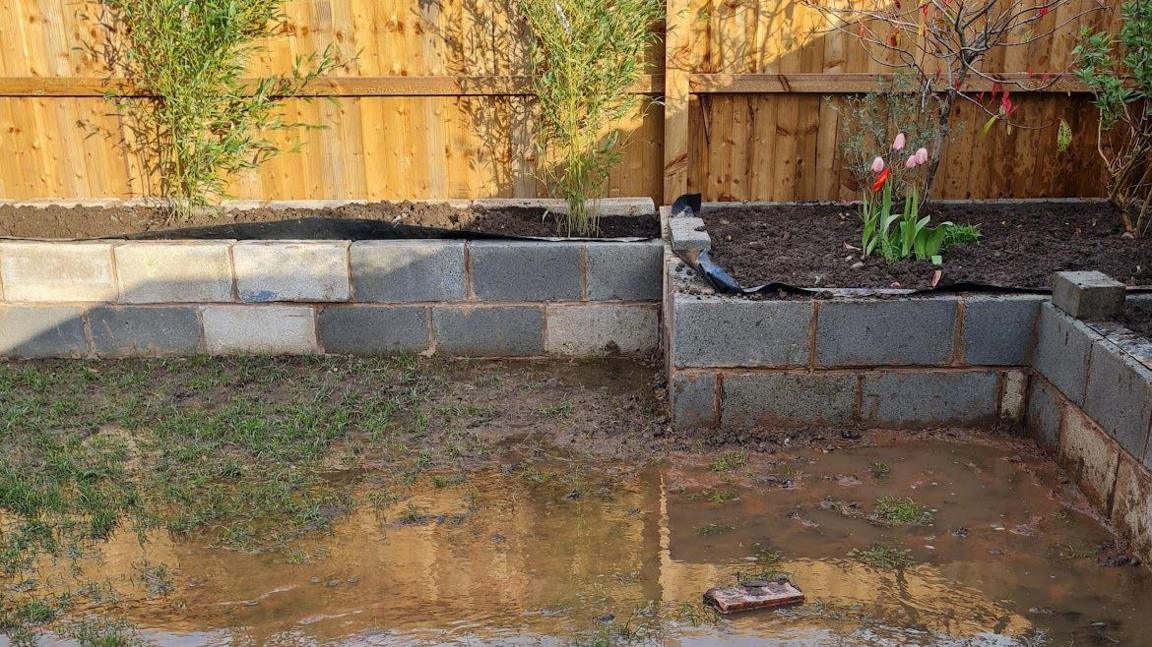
(882, 557)
(893, 511)
(879, 470)
(714, 529)
(729, 461)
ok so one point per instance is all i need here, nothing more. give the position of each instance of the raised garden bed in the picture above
(816, 245)
(451, 294)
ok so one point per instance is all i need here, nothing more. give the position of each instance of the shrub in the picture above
(191, 116)
(586, 55)
(1118, 70)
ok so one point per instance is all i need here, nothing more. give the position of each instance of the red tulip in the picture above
(881, 179)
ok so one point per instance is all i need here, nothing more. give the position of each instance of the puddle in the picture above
(555, 553)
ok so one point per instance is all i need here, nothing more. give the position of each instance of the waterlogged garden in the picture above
(575, 323)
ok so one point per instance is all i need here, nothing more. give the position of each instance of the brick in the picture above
(42, 331)
(1062, 348)
(267, 272)
(1088, 295)
(778, 399)
(405, 271)
(625, 271)
(1013, 395)
(916, 332)
(610, 329)
(373, 330)
(692, 397)
(1089, 454)
(1132, 506)
(496, 331)
(1045, 413)
(174, 272)
(1119, 397)
(526, 271)
(1000, 331)
(688, 235)
(46, 272)
(141, 331)
(726, 332)
(930, 398)
(269, 330)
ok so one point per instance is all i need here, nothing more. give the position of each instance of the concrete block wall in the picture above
(474, 298)
(1090, 402)
(904, 362)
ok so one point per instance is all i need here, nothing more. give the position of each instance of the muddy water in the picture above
(546, 553)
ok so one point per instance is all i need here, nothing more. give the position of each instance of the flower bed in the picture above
(457, 297)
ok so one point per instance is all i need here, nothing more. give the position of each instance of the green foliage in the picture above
(729, 461)
(891, 511)
(586, 55)
(1117, 68)
(899, 235)
(198, 122)
(882, 557)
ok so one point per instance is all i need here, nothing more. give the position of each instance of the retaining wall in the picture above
(453, 297)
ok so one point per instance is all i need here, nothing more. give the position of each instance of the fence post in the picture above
(677, 50)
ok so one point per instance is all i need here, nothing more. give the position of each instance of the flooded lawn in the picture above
(519, 504)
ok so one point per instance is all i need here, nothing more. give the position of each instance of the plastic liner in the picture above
(332, 229)
(689, 205)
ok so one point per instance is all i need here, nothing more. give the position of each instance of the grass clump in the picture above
(882, 557)
(893, 511)
(193, 120)
(586, 55)
(729, 461)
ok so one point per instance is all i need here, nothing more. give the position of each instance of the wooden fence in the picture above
(431, 105)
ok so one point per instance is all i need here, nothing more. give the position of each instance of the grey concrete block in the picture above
(373, 330)
(47, 272)
(692, 397)
(408, 270)
(718, 331)
(602, 329)
(625, 271)
(930, 398)
(688, 235)
(42, 331)
(1000, 331)
(1045, 412)
(1119, 397)
(497, 331)
(142, 331)
(777, 399)
(174, 272)
(1062, 348)
(916, 332)
(270, 330)
(527, 271)
(1088, 295)
(288, 271)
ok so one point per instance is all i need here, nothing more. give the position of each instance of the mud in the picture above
(548, 548)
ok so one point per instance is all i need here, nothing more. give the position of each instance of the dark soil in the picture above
(103, 222)
(817, 245)
(1138, 317)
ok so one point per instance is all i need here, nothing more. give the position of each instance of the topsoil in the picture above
(818, 245)
(110, 222)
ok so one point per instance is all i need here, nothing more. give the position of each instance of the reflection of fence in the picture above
(428, 108)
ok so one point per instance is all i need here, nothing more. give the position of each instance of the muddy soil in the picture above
(817, 245)
(1138, 317)
(100, 222)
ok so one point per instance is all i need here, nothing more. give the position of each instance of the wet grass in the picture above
(894, 511)
(729, 461)
(882, 557)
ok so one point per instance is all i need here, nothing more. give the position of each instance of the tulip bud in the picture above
(922, 156)
(913, 162)
(898, 144)
(878, 164)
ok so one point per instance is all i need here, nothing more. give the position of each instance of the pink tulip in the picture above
(898, 144)
(913, 162)
(878, 164)
(922, 156)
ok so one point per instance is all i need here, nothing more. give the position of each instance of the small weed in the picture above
(714, 529)
(882, 557)
(880, 471)
(891, 511)
(562, 410)
(441, 481)
(1077, 551)
(729, 461)
(100, 632)
(537, 476)
(697, 614)
(721, 495)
